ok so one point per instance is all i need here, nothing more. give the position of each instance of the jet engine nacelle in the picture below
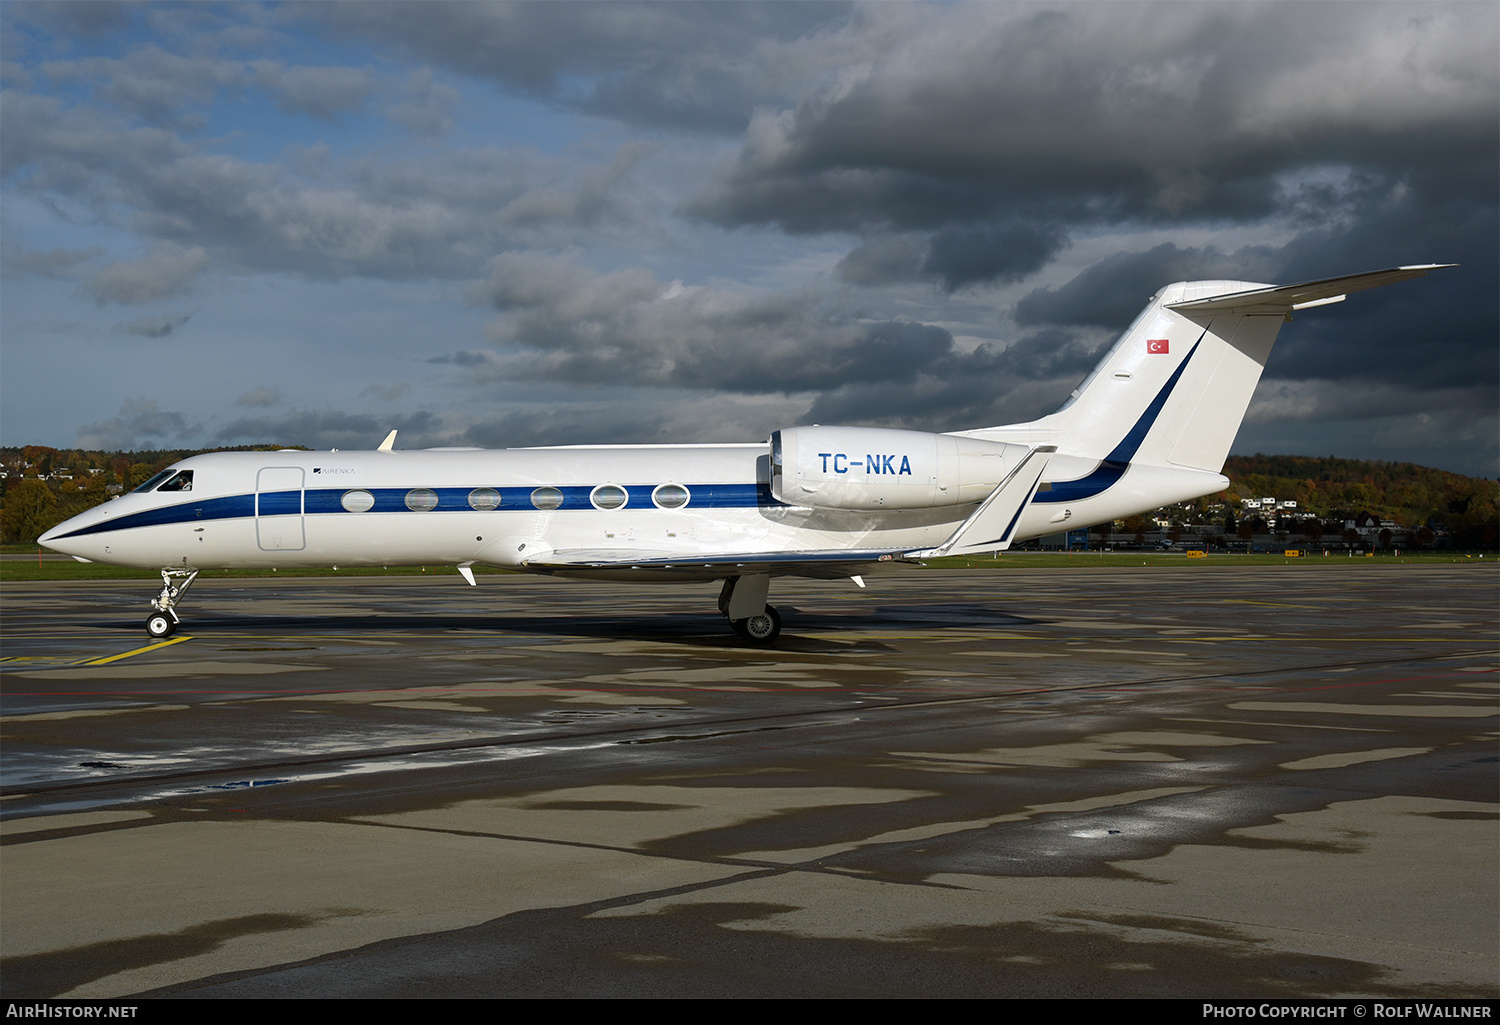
(874, 468)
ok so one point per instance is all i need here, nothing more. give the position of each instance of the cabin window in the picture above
(357, 501)
(670, 496)
(421, 500)
(546, 498)
(608, 496)
(484, 499)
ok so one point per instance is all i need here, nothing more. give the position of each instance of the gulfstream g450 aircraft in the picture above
(1150, 426)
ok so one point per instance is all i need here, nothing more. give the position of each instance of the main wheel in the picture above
(159, 624)
(760, 630)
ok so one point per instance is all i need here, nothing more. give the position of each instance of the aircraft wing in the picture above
(990, 527)
(830, 565)
(1285, 298)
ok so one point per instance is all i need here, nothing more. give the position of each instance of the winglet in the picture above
(993, 525)
(389, 444)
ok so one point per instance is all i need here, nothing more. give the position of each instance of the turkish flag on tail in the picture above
(1156, 345)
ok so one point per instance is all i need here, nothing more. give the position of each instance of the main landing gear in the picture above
(759, 630)
(163, 622)
(743, 603)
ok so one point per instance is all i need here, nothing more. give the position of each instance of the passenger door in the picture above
(278, 509)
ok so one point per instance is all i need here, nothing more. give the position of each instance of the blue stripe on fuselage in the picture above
(1114, 465)
(323, 501)
(228, 507)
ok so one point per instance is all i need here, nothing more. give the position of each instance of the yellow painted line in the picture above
(137, 651)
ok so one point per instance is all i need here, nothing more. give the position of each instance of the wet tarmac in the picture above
(1156, 782)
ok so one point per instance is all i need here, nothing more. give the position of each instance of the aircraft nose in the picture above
(57, 539)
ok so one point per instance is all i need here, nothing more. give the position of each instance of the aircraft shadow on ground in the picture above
(691, 628)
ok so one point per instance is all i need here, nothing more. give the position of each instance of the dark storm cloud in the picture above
(1112, 291)
(988, 386)
(1427, 334)
(139, 424)
(1109, 112)
(687, 65)
(563, 322)
(569, 425)
(954, 257)
(418, 217)
(333, 429)
(999, 253)
(884, 260)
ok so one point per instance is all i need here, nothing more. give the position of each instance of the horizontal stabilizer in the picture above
(992, 526)
(1285, 298)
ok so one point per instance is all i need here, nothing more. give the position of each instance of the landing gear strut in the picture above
(163, 622)
(743, 603)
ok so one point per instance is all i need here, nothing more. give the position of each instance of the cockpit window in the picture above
(150, 485)
(168, 480)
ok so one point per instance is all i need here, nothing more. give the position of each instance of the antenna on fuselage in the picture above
(389, 444)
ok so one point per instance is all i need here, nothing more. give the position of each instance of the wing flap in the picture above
(789, 563)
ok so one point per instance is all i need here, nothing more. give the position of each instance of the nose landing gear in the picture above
(163, 622)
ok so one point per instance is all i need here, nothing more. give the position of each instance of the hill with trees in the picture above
(1331, 488)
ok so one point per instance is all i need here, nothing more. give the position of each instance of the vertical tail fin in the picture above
(1174, 389)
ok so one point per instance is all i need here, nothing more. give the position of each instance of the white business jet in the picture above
(1150, 426)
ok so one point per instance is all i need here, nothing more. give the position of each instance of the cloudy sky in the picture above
(513, 224)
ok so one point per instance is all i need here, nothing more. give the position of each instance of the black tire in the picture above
(760, 631)
(159, 625)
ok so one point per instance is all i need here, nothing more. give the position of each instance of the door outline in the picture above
(278, 528)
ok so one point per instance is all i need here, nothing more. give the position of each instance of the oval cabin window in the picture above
(358, 501)
(609, 496)
(484, 499)
(546, 498)
(421, 500)
(670, 496)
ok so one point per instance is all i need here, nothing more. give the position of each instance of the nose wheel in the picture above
(174, 584)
